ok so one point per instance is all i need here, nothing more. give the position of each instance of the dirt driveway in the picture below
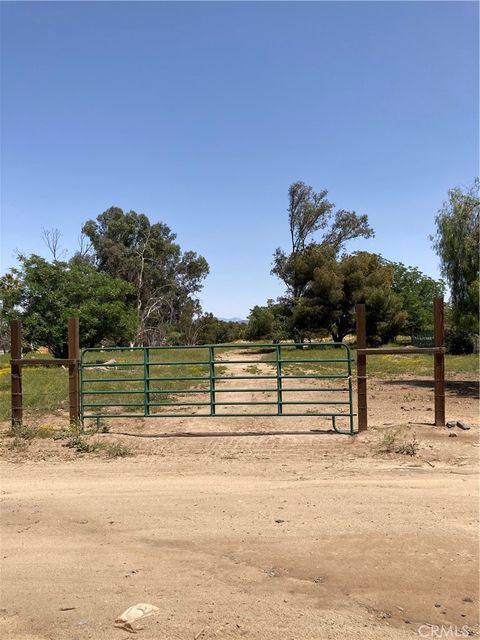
(316, 536)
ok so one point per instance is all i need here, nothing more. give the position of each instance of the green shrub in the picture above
(459, 342)
(389, 442)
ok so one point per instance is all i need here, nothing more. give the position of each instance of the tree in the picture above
(51, 238)
(260, 324)
(165, 280)
(212, 330)
(44, 295)
(309, 212)
(456, 243)
(10, 294)
(317, 295)
(335, 284)
(416, 292)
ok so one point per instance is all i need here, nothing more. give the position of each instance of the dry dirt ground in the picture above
(291, 536)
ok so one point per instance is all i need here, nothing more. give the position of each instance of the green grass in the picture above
(377, 366)
(45, 389)
(253, 370)
(313, 354)
(163, 363)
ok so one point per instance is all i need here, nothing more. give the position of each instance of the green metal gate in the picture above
(199, 381)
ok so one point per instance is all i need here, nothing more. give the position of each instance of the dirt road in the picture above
(303, 537)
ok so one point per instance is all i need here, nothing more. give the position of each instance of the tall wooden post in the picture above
(16, 372)
(361, 368)
(73, 369)
(439, 362)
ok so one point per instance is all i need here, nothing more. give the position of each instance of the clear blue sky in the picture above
(202, 114)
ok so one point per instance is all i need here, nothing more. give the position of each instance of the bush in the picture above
(459, 342)
(389, 442)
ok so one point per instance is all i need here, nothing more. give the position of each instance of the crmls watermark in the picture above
(443, 631)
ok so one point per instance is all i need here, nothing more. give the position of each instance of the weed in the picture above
(44, 431)
(74, 438)
(253, 369)
(23, 432)
(61, 435)
(80, 444)
(408, 448)
(18, 444)
(389, 443)
(116, 450)
(74, 430)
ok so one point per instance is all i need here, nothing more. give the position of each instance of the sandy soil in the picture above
(299, 536)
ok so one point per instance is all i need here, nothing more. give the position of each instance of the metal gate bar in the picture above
(91, 386)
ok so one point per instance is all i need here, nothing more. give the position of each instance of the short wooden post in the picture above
(439, 362)
(16, 372)
(361, 368)
(73, 369)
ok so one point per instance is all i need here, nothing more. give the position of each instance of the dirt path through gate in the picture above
(259, 368)
(240, 388)
(256, 368)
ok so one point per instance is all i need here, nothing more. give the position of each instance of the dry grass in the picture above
(393, 442)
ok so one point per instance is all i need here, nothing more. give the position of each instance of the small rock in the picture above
(467, 599)
(452, 435)
(437, 604)
(451, 424)
(463, 425)
(279, 520)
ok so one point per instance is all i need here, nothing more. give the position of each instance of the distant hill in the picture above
(242, 320)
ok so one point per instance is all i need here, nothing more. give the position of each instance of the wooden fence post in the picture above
(439, 362)
(73, 369)
(361, 368)
(16, 372)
